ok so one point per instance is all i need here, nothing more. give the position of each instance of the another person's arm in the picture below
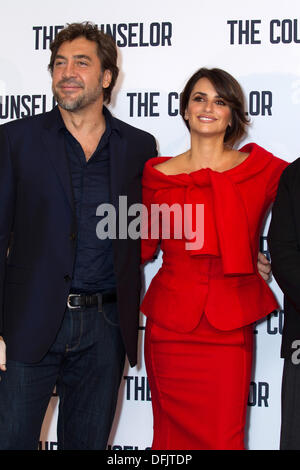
(150, 242)
(283, 241)
(6, 218)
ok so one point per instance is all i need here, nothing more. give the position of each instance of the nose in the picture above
(208, 106)
(69, 70)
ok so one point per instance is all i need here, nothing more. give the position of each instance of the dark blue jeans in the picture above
(86, 364)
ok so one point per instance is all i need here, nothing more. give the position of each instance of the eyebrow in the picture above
(205, 94)
(77, 56)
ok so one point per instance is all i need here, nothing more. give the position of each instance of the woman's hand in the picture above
(264, 266)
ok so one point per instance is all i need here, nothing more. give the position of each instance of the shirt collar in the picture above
(111, 122)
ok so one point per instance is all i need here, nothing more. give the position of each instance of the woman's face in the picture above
(207, 113)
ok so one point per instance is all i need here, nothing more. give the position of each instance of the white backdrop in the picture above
(161, 43)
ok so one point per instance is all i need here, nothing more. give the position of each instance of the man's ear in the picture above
(106, 80)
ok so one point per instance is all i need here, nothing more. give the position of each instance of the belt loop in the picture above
(99, 297)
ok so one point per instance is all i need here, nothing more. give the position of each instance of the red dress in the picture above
(202, 302)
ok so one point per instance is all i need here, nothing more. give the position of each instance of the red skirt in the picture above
(199, 386)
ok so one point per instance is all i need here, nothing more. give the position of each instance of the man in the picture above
(70, 300)
(284, 242)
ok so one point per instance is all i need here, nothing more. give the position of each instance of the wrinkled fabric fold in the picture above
(234, 246)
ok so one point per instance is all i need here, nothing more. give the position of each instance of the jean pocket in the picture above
(110, 313)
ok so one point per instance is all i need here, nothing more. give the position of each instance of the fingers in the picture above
(265, 277)
(263, 259)
(264, 268)
(2, 355)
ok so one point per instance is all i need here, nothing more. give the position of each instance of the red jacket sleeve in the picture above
(150, 234)
(274, 179)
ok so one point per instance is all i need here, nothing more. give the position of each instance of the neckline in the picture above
(251, 152)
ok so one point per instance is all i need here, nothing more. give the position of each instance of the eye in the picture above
(198, 98)
(221, 102)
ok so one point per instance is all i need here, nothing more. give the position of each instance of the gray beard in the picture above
(81, 102)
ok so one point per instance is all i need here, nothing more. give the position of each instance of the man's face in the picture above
(77, 80)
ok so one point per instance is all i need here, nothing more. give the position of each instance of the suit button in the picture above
(67, 278)
(73, 236)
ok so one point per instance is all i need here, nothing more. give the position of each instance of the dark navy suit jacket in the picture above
(38, 232)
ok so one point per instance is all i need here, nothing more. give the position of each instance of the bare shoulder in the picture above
(236, 158)
(241, 155)
(173, 165)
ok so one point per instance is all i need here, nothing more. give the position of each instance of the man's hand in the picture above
(2, 354)
(264, 267)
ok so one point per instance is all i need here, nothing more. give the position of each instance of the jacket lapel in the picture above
(117, 148)
(55, 151)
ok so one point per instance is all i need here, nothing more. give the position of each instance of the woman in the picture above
(202, 303)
